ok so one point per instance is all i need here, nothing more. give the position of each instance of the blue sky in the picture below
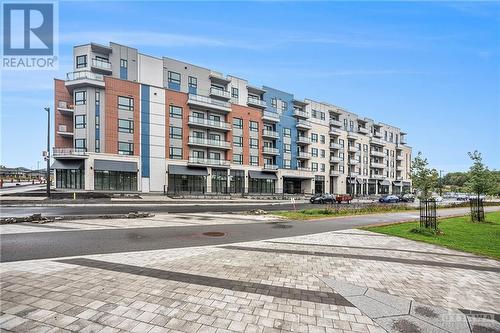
(431, 68)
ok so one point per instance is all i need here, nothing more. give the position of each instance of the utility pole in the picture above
(47, 158)
(441, 183)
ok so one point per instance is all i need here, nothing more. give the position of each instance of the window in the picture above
(314, 166)
(176, 153)
(80, 97)
(213, 136)
(97, 144)
(80, 121)
(125, 148)
(287, 164)
(254, 143)
(322, 115)
(322, 167)
(123, 63)
(365, 147)
(322, 153)
(314, 152)
(237, 159)
(238, 141)
(81, 61)
(287, 132)
(284, 105)
(175, 132)
(314, 137)
(192, 82)
(351, 125)
(125, 103)
(314, 113)
(254, 160)
(237, 123)
(81, 143)
(254, 126)
(274, 102)
(174, 77)
(125, 126)
(234, 92)
(213, 155)
(345, 123)
(198, 154)
(322, 139)
(287, 148)
(175, 111)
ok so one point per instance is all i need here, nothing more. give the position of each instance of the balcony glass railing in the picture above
(303, 139)
(208, 161)
(270, 134)
(334, 145)
(301, 113)
(65, 106)
(303, 123)
(256, 101)
(270, 167)
(209, 142)
(269, 150)
(219, 92)
(84, 75)
(101, 63)
(335, 122)
(209, 122)
(68, 151)
(271, 115)
(303, 154)
(208, 100)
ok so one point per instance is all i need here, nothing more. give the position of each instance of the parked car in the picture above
(437, 198)
(408, 197)
(462, 197)
(314, 197)
(389, 199)
(323, 198)
(343, 198)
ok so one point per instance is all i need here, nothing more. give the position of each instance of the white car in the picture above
(437, 198)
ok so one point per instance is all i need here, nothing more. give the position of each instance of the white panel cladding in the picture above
(157, 139)
(150, 70)
(241, 85)
(186, 70)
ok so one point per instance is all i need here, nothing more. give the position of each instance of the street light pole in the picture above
(48, 151)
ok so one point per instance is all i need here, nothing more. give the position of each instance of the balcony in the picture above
(270, 167)
(194, 141)
(270, 134)
(69, 153)
(399, 158)
(220, 93)
(300, 114)
(353, 149)
(363, 130)
(334, 132)
(351, 135)
(208, 161)
(353, 174)
(209, 123)
(377, 165)
(303, 124)
(377, 176)
(335, 173)
(101, 65)
(270, 151)
(335, 159)
(335, 146)
(303, 168)
(84, 78)
(62, 130)
(399, 168)
(377, 142)
(402, 140)
(335, 122)
(303, 155)
(271, 116)
(377, 153)
(303, 140)
(353, 162)
(377, 134)
(66, 108)
(256, 102)
(209, 103)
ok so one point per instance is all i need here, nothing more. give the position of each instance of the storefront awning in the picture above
(354, 181)
(67, 164)
(397, 183)
(385, 183)
(261, 175)
(298, 177)
(184, 170)
(108, 165)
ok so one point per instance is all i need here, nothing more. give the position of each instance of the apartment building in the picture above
(126, 121)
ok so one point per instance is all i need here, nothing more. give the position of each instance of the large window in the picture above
(237, 184)
(254, 160)
(125, 148)
(237, 159)
(125, 103)
(81, 61)
(175, 111)
(238, 141)
(314, 137)
(175, 132)
(287, 132)
(274, 102)
(80, 97)
(192, 82)
(123, 63)
(80, 121)
(186, 184)
(219, 181)
(176, 153)
(234, 92)
(254, 126)
(237, 123)
(73, 178)
(115, 180)
(81, 143)
(125, 126)
(254, 143)
(174, 77)
(261, 185)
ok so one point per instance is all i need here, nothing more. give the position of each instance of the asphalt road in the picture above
(42, 245)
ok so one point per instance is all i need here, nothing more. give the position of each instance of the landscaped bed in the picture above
(457, 233)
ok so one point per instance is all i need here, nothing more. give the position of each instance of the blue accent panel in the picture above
(192, 90)
(287, 120)
(98, 114)
(145, 151)
(123, 73)
(174, 86)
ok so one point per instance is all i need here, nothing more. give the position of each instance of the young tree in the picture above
(423, 178)
(481, 180)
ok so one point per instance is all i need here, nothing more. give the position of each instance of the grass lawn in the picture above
(341, 210)
(459, 234)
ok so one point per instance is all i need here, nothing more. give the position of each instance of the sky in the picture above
(430, 68)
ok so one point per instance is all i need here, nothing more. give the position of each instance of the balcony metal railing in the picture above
(270, 134)
(270, 167)
(303, 168)
(335, 122)
(335, 159)
(220, 92)
(399, 158)
(300, 113)
(256, 101)
(377, 165)
(334, 145)
(303, 123)
(353, 149)
(363, 130)
(208, 161)
(377, 153)
(65, 106)
(303, 139)
(374, 176)
(272, 116)
(209, 123)
(399, 168)
(334, 131)
(377, 134)
(335, 173)
(354, 162)
(81, 75)
(303, 154)
(58, 152)
(62, 128)
(379, 142)
(351, 135)
(100, 63)
(209, 142)
(270, 150)
(208, 100)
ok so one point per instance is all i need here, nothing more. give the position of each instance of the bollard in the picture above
(74, 195)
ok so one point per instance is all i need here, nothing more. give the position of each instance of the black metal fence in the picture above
(477, 210)
(428, 218)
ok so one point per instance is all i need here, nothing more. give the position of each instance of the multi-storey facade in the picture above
(125, 121)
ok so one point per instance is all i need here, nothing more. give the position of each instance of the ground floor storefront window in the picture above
(70, 178)
(256, 185)
(237, 183)
(372, 188)
(396, 189)
(292, 186)
(219, 181)
(187, 183)
(115, 180)
(383, 189)
(319, 184)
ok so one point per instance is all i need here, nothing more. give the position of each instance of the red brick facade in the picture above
(178, 99)
(247, 114)
(62, 94)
